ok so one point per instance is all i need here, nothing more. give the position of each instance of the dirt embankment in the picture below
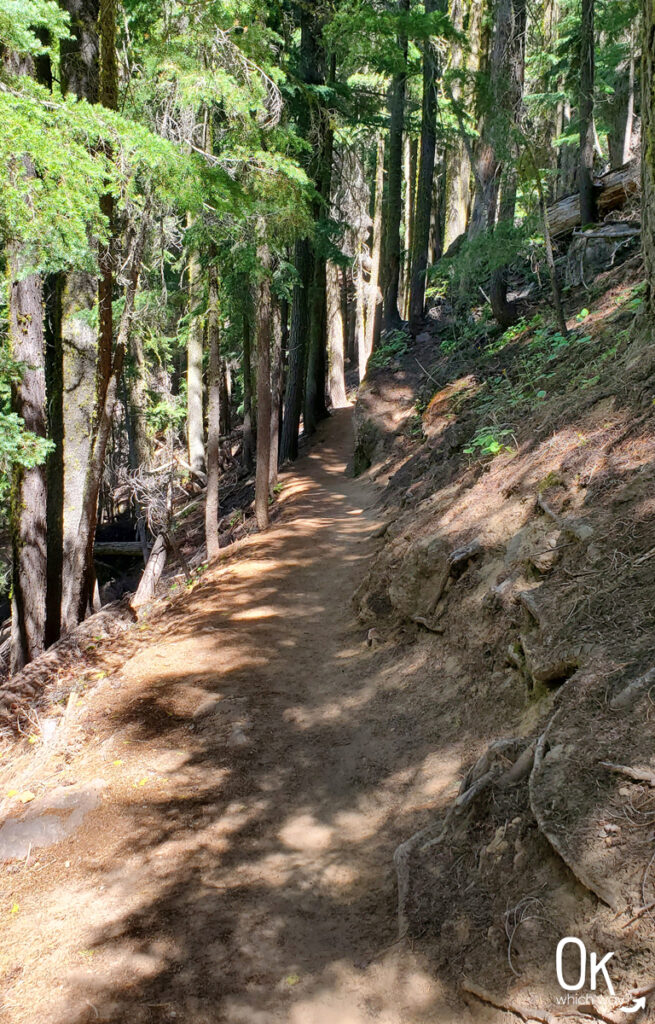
(518, 556)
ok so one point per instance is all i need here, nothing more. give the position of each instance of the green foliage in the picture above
(18, 447)
(393, 345)
(489, 441)
(461, 276)
(23, 23)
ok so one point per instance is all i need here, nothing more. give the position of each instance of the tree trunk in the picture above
(264, 403)
(248, 441)
(505, 313)
(457, 197)
(337, 380)
(374, 297)
(360, 313)
(29, 496)
(76, 586)
(72, 346)
(410, 163)
(587, 133)
(152, 574)
(421, 238)
(391, 269)
(54, 369)
(195, 417)
(298, 334)
(213, 417)
(648, 150)
(277, 372)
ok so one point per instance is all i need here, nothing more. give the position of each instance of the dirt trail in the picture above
(260, 764)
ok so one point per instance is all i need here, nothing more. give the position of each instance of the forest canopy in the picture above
(213, 214)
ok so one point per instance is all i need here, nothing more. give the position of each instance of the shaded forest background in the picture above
(214, 216)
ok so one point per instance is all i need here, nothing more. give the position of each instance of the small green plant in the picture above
(237, 518)
(489, 441)
(393, 345)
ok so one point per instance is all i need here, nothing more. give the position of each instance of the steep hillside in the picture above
(517, 556)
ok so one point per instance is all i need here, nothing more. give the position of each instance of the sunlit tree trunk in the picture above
(374, 293)
(457, 192)
(337, 382)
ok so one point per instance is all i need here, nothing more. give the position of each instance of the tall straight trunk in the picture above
(360, 314)
(79, 582)
(195, 417)
(587, 132)
(29, 496)
(410, 164)
(54, 373)
(337, 380)
(315, 386)
(458, 171)
(620, 109)
(72, 343)
(76, 586)
(226, 395)
(264, 402)
(248, 440)
(421, 238)
(277, 375)
(138, 400)
(391, 269)
(307, 332)
(298, 333)
(213, 416)
(28, 507)
(648, 150)
(505, 312)
(374, 294)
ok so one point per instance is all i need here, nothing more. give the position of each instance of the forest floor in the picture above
(237, 777)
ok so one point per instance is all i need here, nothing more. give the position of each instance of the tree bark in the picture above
(76, 586)
(587, 134)
(264, 403)
(298, 334)
(29, 495)
(195, 415)
(213, 417)
(421, 239)
(457, 197)
(71, 341)
(374, 296)
(337, 380)
(391, 269)
(248, 441)
(410, 161)
(277, 373)
(648, 150)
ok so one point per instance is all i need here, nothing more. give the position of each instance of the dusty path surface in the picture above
(258, 765)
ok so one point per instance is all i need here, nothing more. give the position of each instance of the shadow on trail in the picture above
(261, 886)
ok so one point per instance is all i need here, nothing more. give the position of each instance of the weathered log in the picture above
(151, 574)
(612, 192)
(27, 685)
(118, 548)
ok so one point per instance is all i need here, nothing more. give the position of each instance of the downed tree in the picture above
(612, 192)
(26, 686)
(151, 574)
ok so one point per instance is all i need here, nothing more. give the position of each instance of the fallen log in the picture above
(151, 574)
(118, 548)
(612, 192)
